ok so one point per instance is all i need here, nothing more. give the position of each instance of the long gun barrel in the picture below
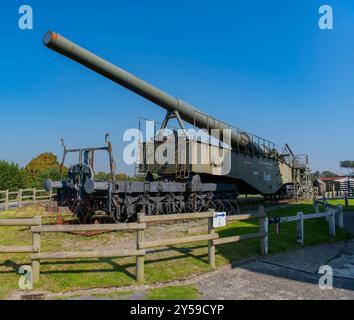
(187, 112)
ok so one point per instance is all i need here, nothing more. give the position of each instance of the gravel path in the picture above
(267, 280)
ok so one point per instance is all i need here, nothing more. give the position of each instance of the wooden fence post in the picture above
(7, 200)
(140, 236)
(50, 194)
(325, 202)
(340, 217)
(263, 229)
(34, 195)
(316, 206)
(211, 247)
(36, 243)
(332, 223)
(300, 228)
(19, 198)
(346, 202)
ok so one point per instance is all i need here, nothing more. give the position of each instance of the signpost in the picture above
(219, 219)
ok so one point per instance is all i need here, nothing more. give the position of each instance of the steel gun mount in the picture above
(257, 165)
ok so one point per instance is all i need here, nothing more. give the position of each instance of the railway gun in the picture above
(203, 174)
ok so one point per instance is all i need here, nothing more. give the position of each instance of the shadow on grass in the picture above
(10, 264)
(123, 268)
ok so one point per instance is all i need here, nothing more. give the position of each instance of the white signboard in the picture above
(219, 219)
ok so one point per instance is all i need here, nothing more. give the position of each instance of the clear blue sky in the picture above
(264, 66)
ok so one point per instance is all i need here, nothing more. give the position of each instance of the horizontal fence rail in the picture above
(88, 254)
(18, 198)
(175, 217)
(20, 222)
(88, 228)
(174, 241)
(17, 249)
(238, 238)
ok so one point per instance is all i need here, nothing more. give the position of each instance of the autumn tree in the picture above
(122, 177)
(44, 166)
(42, 162)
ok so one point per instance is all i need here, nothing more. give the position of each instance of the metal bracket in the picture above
(63, 143)
(106, 138)
(276, 221)
(172, 115)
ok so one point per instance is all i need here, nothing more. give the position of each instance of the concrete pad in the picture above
(290, 275)
(348, 218)
(263, 281)
(308, 259)
(343, 266)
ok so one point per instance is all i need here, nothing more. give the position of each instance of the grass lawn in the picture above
(342, 202)
(163, 293)
(161, 265)
(173, 293)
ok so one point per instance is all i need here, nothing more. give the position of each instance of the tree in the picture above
(52, 173)
(347, 164)
(316, 174)
(122, 177)
(41, 163)
(328, 174)
(44, 166)
(12, 177)
(102, 176)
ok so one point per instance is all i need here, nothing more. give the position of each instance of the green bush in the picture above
(44, 166)
(12, 177)
(103, 176)
(52, 173)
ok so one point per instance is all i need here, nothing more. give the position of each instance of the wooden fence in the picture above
(18, 198)
(333, 215)
(31, 222)
(141, 243)
(38, 256)
(324, 201)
